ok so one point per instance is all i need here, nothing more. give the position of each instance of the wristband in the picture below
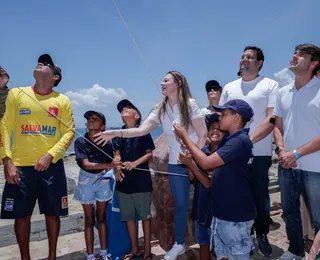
(278, 149)
(272, 120)
(296, 154)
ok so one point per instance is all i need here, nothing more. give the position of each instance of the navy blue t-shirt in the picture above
(85, 150)
(201, 208)
(232, 197)
(132, 149)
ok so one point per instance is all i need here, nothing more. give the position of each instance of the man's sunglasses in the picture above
(213, 89)
(51, 67)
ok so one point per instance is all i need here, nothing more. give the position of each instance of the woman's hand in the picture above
(103, 137)
(180, 132)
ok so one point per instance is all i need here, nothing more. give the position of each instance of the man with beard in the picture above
(261, 94)
(298, 145)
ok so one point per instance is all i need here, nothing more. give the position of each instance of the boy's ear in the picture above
(137, 116)
(56, 77)
(103, 128)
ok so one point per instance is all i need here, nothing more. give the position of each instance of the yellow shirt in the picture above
(35, 131)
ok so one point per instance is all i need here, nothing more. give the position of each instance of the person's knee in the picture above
(101, 219)
(52, 218)
(24, 220)
(89, 220)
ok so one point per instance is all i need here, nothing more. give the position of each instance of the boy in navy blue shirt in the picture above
(233, 205)
(201, 210)
(134, 186)
(90, 191)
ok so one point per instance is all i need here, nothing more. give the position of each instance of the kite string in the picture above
(170, 114)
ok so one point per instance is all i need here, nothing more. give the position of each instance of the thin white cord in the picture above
(143, 60)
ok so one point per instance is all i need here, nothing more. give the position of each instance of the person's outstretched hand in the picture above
(103, 137)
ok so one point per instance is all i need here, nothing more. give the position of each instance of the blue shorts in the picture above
(202, 234)
(88, 191)
(232, 240)
(49, 187)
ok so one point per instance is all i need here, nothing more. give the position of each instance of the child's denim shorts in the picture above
(232, 240)
(88, 192)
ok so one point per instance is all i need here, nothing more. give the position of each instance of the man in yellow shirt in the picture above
(41, 121)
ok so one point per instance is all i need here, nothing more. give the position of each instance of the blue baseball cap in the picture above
(125, 102)
(90, 112)
(211, 119)
(239, 106)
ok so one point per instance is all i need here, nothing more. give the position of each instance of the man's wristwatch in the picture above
(278, 149)
(296, 154)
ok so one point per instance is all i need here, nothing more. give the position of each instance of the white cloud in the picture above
(96, 96)
(99, 99)
(283, 77)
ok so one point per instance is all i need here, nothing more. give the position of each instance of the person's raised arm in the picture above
(200, 127)
(198, 123)
(193, 170)
(205, 162)
(146, 127)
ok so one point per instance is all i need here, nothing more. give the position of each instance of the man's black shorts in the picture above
(49, 187)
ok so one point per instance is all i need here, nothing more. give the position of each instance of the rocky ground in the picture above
(71, 242)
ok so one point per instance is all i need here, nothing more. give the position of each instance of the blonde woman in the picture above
(177, 106)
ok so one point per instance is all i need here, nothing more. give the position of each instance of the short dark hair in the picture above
(312, 50)
(260, 55)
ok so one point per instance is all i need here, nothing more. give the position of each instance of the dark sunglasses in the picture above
(213, 89)
(51, 67)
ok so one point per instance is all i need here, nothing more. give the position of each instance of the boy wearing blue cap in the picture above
(134, 186)
(233, 205)
(93, 162)
(201, 209)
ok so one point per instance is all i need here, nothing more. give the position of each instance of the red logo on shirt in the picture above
(64, 202)
(53, 111)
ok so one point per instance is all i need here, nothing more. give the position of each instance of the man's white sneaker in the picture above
(174, 252)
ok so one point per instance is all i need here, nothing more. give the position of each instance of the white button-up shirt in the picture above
(300, 112)
(167, 126)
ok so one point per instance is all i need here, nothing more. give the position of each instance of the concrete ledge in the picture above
(74, 223)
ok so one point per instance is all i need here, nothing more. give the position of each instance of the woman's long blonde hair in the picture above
(184, 95)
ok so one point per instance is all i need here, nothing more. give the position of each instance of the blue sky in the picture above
(202, 39)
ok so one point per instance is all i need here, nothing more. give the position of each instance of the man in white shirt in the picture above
(261, 94)
(298, 145)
